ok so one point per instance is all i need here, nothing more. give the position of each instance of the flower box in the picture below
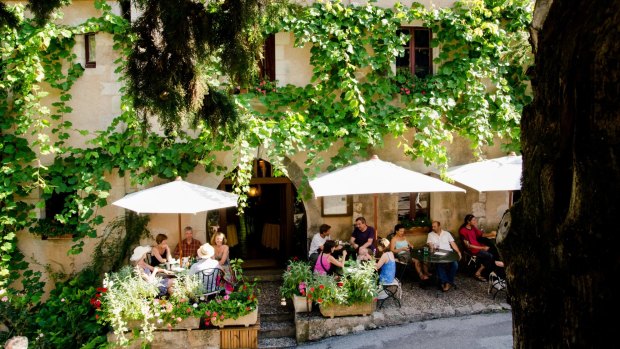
(416, 231)
(332, 310)
(245, 320)
(301, 304)
(189, 323)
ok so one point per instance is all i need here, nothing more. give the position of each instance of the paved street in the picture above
(472, 332)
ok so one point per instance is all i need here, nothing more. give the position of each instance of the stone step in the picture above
(277, 316)
(270, 329)
(264, 274)
(282, 342)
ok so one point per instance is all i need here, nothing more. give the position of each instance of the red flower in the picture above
(423, 92)
(295, 258)
(96, 316)
(247, 308)
(321, 287)
(102, 289)
(303, 292)
(312, 289)
(319, 300)
(98, 295)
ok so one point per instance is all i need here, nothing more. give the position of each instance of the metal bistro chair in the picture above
(470, 260)
(213, 282)
(392, 290)
(496, 284)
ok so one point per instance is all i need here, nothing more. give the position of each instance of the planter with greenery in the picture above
(354, 293)
(238, 307)
(50, 228)
(421, 224)
(295, 280)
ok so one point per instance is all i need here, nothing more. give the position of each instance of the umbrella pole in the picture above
(376, 196)
(180, 239)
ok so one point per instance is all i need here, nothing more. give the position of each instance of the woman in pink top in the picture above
(324, 262)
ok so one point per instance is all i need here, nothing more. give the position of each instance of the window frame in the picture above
(412, 49)
(90, 62)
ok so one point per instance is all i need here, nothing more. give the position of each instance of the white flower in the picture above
(2, 291)
(195, 305)
(202, 298)
(62, 299)
(40, 335)
(159, 321)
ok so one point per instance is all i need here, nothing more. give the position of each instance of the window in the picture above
(268, 63)
(418, 55)
(90, 47)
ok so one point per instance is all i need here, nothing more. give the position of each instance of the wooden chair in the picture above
(212, 282)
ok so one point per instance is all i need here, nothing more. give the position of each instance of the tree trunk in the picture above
(561, 249)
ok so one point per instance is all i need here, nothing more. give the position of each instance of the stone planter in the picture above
(301, 304)
(245, 320)
(332, 310)
(189, 323)
(416, 231)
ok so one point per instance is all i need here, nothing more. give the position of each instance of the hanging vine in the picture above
(353, 102)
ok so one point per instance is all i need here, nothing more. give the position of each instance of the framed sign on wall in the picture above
(336, 205)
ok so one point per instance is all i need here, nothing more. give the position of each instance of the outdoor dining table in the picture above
(438, 256)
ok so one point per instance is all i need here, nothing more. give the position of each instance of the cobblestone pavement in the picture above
(470, 296)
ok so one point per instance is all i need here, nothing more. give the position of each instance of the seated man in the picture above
(188, 246)
(441, 239)
(318, 240)
(363, 236)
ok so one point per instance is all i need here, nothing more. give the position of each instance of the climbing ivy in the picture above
(355, 100)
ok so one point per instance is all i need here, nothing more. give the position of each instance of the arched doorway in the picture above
(273, 227)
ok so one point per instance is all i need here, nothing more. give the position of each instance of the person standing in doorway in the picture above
(189, 245)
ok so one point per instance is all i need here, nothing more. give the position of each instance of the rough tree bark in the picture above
(561, 248)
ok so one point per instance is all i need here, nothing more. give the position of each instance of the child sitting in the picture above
(363, 255)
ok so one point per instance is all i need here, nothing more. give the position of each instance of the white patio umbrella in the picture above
(177, 197)
(499, 174)
(377, 177)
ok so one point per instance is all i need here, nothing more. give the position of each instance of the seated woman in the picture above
(160, 253)
(218, 241)
(325, 260)
(400, 247)
(387, 263)
(148, 272)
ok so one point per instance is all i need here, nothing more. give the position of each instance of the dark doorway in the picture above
(273, 226)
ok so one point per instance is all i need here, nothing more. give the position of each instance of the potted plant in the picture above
(354, 293)
(421, 224)
(295, 280)
(239, 307)
(50, 228)
(129, 303)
